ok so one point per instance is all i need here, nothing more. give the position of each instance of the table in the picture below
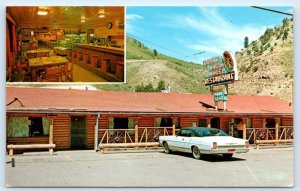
(44, 62)
(38, 53)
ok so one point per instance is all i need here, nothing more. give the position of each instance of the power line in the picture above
(138, 38)
(272, 10)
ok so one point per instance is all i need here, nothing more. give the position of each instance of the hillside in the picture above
(266, 65)
(143, 67)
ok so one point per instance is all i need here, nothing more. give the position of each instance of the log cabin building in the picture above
(65, 44)
(81, 119)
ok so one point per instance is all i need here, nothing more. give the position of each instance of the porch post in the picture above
(244, 128)
(276, 128)
(96, 133)
(51, 136)
(136, 134)
(208, 122)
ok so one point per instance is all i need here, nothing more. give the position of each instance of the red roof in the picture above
(45, 99)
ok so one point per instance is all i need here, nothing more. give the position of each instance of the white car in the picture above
(203, 140)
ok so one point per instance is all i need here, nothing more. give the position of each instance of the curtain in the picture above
(46, 125)
(248, 123)
(131, 125)
(157, 121)
(18, 127)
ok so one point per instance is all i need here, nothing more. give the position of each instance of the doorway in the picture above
(78, 132)
(215, 122)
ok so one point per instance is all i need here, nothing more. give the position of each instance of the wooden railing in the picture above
(139, 136)
(116, 136)
(286, 132)
(257, 136)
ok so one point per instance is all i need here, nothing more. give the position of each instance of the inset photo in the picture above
(64, 44)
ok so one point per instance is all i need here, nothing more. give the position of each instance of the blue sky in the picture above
(182, 32)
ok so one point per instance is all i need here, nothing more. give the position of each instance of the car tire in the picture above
(166, 148)
(196, 152)
(227, 156)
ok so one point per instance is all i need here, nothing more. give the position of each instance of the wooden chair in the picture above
(69, 76)
(54, 74)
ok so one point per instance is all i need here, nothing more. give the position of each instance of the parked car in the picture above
(203, 140)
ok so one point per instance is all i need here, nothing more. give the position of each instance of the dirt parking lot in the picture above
(272, 167)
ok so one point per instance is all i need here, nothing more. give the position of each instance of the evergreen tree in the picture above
(246, 42)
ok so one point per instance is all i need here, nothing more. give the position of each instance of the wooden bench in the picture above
(260, 142)
(11, 148)
(126, 145)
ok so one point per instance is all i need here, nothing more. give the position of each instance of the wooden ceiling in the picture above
(65, 16)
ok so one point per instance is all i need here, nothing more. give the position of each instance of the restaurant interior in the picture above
(65, 44)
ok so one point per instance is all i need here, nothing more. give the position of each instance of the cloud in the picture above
(217, 33)
(131, 28)
(133, 17)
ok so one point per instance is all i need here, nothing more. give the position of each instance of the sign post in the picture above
(221, 71)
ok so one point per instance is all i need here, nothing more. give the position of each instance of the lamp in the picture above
(42, 12)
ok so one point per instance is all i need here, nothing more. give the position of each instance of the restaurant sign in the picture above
(220, 92)
(221, 70)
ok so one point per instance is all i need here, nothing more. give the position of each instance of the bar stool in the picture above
(94, 60)
(74, 54)
(120, 70)
(79, 55)
(69, 55)
(85, 58)
(104, 64)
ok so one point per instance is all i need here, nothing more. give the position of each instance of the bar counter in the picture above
(100, 60)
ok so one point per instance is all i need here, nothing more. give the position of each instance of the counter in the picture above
(100, 60)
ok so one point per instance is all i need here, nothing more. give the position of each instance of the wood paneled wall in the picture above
(146, 121)
(258, 123)
(90, 130)
(61, 131)
(188, 121)
(224, 123)
(287, 121)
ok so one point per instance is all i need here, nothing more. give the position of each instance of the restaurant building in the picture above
(81, 119)
(65, 44)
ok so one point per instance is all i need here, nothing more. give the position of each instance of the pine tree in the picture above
(246, 42)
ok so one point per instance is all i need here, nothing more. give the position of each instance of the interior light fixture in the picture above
(101, 11)
(42, 12)
(101, 16)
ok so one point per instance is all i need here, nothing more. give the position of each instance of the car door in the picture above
(187, 140)
(179, 140)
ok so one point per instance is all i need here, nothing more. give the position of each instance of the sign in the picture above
(221, 70)
(220, 93)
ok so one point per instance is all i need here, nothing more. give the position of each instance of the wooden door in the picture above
(78, 132)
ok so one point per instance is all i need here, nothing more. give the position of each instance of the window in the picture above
(28, 126)
(163, 122)
(185, 133)
(270, 123)
(121, 123)
(202, 123)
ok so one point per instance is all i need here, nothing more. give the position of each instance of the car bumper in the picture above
(225, 151)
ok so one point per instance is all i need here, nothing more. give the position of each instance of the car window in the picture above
(185, 133)
(210, 132)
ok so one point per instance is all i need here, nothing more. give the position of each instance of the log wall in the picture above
(224, 123)
(257, 123)
(188, 121)
(285, 121)
(61, 131)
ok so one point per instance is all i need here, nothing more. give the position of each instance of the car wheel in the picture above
(166, 148)
(227, 156)
(196, 152)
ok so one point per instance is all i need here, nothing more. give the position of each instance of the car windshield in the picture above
(209, 132)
